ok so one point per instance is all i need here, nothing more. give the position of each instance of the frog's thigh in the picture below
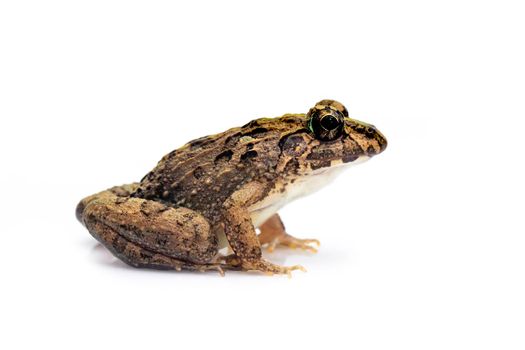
(129, 252)
(146, 233)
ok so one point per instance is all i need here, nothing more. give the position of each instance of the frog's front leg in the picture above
(273, 234)
(241, 234)
(145, 233)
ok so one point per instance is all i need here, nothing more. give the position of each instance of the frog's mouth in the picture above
(338, 164)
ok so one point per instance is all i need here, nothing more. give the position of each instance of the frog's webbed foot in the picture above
(273, 235)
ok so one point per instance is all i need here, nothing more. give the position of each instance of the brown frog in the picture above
(199, 208)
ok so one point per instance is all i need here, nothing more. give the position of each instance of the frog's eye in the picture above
(326, 124)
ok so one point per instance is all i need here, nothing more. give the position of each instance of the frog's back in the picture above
(202, 174)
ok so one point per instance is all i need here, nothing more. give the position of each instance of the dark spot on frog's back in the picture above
(198, 172)
(249, 155)
(171, 155)
(256, 132)
(225, 156)
(251, 124)
(201, 142)
(291, 120)
(232, 139)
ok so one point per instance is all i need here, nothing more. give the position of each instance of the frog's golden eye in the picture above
(326, 124)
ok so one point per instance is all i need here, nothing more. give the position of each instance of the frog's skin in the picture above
(200, 207)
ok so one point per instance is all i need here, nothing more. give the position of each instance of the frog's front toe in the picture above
(270, 268)
(293, 243)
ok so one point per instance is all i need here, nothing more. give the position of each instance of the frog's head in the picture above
(334, 139)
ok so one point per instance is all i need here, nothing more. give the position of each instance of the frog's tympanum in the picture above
(201, 206)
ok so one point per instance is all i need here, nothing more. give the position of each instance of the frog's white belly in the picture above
(304, 185)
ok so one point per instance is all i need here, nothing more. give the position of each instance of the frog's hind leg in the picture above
(273, 234)
(145, 233)
(114, 192)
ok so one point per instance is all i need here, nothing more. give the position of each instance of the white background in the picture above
(422, 247)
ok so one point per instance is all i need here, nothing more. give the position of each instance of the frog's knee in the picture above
(80, 210)
(108, 195)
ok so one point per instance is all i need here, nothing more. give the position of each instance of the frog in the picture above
(213, 203)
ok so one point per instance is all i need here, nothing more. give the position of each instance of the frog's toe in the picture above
(289, 270)
(291, 242)
(269, 268)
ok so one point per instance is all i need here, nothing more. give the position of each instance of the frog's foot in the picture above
(269, 268)
(294, 243)
(233, 262)
(273, 234)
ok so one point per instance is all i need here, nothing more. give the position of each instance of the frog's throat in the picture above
(304, 185)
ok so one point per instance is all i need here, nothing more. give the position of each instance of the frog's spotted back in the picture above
(264, 150)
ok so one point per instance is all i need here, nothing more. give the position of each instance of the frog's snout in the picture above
(373, 141)
(376, 140)
(381, 140)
